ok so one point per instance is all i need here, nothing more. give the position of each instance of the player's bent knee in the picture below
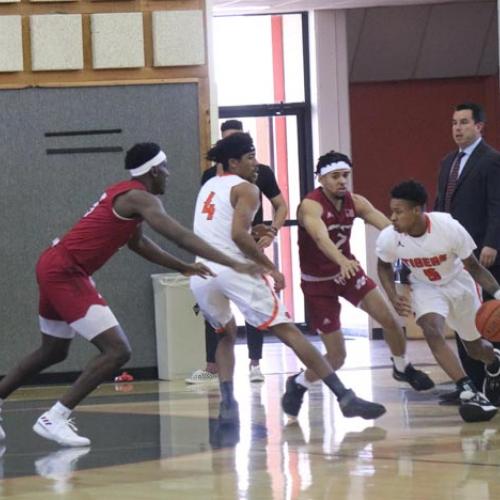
(120, 356)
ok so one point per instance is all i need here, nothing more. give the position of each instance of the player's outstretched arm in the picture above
(309, 216)
(150, 208)
(366, 211)
(482, 276)
(149, 250)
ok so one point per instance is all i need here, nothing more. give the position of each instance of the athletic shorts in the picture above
(253, 295)
(322, 299)
(69, 302)
(457, 301)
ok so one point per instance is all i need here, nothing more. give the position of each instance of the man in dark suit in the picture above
(469, 189)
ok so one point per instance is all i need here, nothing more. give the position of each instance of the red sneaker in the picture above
(124, 377)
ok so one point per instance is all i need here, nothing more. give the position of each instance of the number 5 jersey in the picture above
(436, 256)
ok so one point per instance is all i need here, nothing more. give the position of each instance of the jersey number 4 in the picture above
(209, 207)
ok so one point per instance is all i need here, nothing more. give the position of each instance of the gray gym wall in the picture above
(43, 195)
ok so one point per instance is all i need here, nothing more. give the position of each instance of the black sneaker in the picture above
(476, 407)
(229, 413)
(419, 380)
(491, 384)
(352, 406)
(292, 399)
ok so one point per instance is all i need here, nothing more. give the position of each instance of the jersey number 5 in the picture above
(431, 274)
(209, 207)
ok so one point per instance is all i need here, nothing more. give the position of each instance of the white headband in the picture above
(332, 167)
(146, 167)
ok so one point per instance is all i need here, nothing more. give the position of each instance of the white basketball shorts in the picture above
(456, 301)
(253, 295)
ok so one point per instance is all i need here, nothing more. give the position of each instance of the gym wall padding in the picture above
(49, 180)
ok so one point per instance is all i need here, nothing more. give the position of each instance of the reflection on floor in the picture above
(162, 440)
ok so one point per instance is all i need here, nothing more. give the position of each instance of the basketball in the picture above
(488, 320)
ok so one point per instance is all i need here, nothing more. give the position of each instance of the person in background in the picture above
(469, 190)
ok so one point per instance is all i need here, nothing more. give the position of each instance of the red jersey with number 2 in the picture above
(100, 233)
(313, 261)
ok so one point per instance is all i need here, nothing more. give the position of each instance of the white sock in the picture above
(400, 362)
(60, 410)
(301, 380)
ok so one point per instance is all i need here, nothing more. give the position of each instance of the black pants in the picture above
(474, 368)
(255, 339)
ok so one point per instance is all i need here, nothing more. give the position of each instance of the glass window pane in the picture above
(245, 61)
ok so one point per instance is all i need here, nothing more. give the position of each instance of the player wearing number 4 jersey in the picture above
(439, 252)
(330, 271)
(225, 208)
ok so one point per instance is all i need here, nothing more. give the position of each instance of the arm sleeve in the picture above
(266, 182)
(385, 247)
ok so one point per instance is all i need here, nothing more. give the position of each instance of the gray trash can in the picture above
(180, 337)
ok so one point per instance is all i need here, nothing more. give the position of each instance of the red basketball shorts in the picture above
(322, 299)
(69, 303)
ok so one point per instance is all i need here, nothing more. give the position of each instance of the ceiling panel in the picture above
(389, 43)
(236, 7)
(454, 40)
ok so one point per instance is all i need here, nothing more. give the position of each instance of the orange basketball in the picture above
(488, 320)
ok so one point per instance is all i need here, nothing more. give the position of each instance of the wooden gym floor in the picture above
(159, 440)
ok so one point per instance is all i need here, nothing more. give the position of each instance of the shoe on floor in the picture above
(202, 377)
(229, 413)
(491, 384)
(291, 401)
(255, 374)
(475, 407)
(352, 406)
(418, 380)
(60, 430)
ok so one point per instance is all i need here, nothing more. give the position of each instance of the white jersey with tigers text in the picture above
(436, 256)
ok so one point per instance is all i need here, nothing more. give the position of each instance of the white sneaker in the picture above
(60, 430)
(476, 407)
(255, 374)
(202, 377)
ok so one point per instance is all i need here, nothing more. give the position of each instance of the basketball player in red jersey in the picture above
(69, 302)
(329, 271)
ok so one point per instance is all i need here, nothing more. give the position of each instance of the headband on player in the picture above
(146, 167)
(332, 167)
